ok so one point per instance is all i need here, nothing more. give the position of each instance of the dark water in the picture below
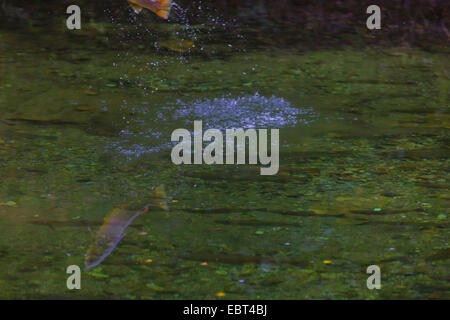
(85, 125)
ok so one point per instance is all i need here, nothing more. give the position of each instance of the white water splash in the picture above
(149, 131)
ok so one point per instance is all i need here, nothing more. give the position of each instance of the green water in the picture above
(85, 126)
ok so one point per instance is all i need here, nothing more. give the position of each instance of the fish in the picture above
(114, 225)
(160, 7)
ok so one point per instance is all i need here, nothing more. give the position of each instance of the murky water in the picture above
(85, 126)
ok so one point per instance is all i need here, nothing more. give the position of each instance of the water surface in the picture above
(85, 126)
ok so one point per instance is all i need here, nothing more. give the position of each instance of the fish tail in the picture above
(164, 8)
(160, 198)
(137, 9)
(160, 7)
